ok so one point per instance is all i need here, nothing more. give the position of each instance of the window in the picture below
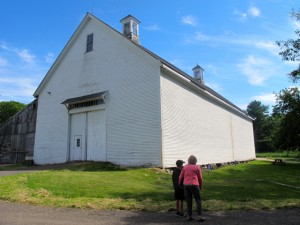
(78, 142)
(134, 28)
(127, 28)
(89, 42)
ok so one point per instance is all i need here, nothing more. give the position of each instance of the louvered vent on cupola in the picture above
(198, 73)
(131, 28)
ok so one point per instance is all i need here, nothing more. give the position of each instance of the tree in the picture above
(291, 49)
(8, 109)
(287, 113)
(261, 125)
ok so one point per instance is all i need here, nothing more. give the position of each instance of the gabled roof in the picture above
(128, 17)
(197, 67)
(163, 61)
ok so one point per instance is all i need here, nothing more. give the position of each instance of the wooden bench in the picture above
(278, 161)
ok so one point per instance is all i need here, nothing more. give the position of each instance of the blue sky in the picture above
(233, 40)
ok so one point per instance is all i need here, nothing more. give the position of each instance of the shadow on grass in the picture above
(73, 166)
(95, 167)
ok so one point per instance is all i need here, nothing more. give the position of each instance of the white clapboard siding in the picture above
(243, 140)
(192, 123)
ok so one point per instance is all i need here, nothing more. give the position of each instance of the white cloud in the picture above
(49, 58)
(201, 37)
(216, 87)
(296, 24)
(17, 88)
(20, 73)
(291, 63)
(270, 46)
(212, 69)
(26, 56)
(241, 17)
(266, 98)
(4, 46)
(3, 62)
(153, 27)
(242, 106)
(254, 11)
(189, 20)
(267, 45)
(256, 69)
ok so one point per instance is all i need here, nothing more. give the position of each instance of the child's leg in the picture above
(181, 206)
(177, 206)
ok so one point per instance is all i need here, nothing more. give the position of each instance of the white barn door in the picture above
(88, 136)
(78, 145)
(96, 138)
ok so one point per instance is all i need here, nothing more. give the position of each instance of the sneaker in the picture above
(178, 214)
(201, 219)
(190, 219)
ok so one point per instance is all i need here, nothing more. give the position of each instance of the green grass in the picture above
(10, 166)
(105, 186)
(251, 186)
(287, 155)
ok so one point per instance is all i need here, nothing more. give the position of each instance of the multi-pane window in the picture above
(134, 28)
(78, 142)
(89, 42)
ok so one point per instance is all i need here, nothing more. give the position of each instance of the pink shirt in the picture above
(191, 174)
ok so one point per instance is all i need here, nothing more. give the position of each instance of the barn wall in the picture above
(131, 78)
(193, 123)
(17, 135)
(243, 138)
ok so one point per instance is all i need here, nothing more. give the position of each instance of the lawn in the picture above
(254, 185)
(285, 155)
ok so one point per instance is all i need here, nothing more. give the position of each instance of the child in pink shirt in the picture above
(191, 175)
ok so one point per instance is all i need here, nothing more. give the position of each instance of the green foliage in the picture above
(291, 49)
(8, 109)
(253, 181)
(293, 155)
(262, 125)
(286, 114)
(103, 186)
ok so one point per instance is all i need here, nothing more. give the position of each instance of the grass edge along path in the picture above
(254, 185)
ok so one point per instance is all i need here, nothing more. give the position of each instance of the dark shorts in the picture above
(179, 194)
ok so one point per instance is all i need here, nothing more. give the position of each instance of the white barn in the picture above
(107, 98)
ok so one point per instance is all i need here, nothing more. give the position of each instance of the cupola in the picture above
(131, 28)
(198, 73)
